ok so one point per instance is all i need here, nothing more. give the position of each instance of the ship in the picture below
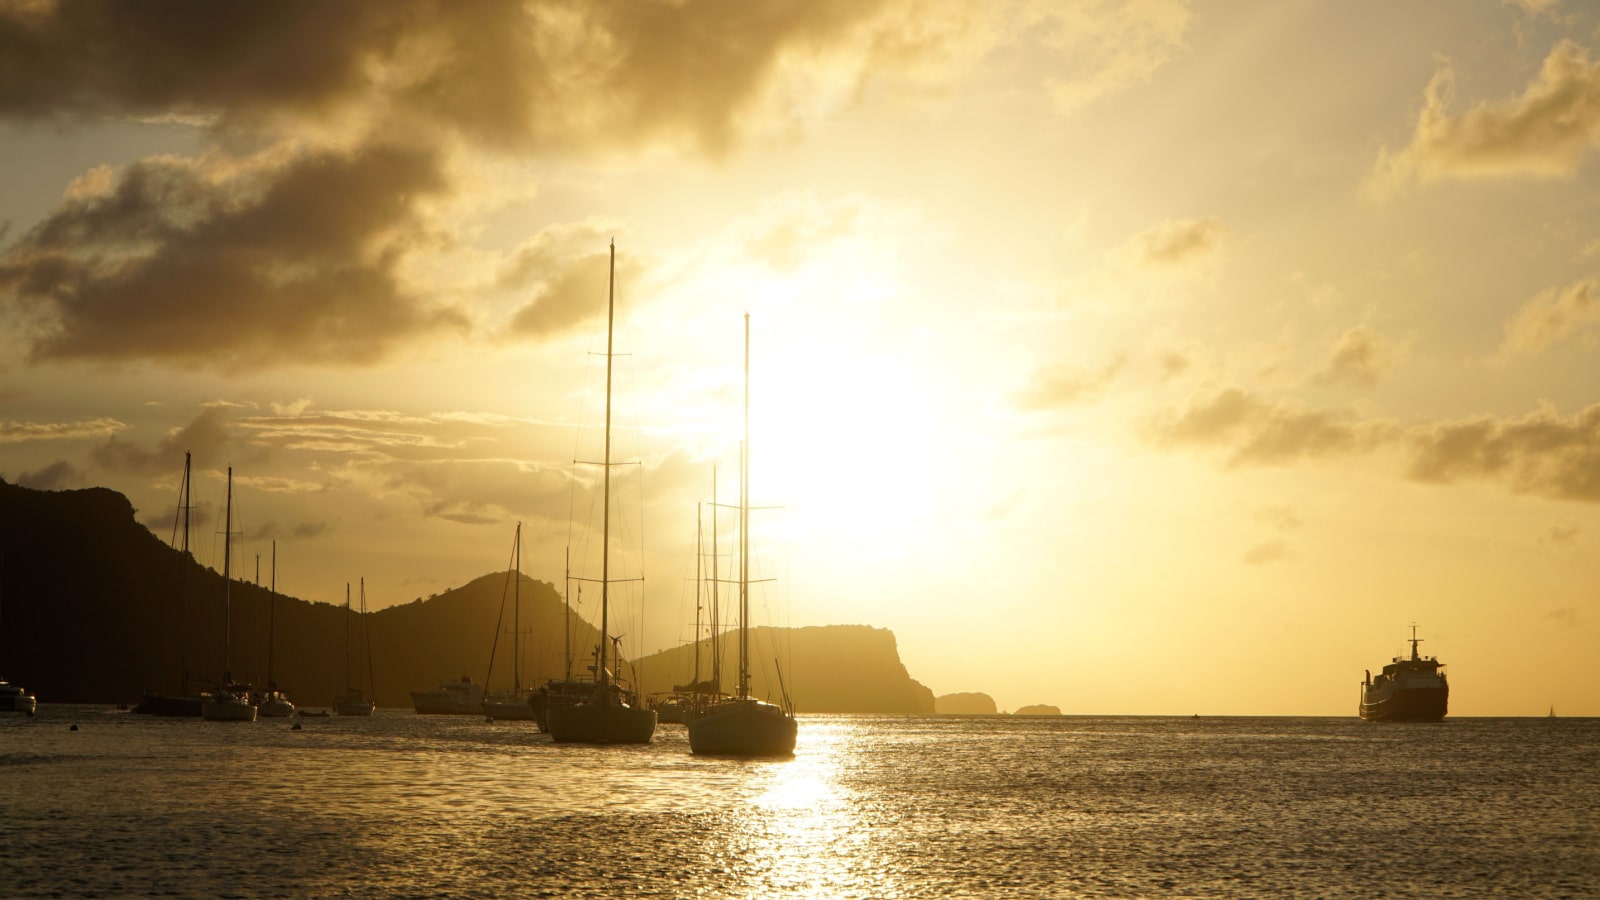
(1409, 689)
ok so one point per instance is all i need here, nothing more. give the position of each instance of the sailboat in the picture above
(230, 701)
(516, 703)
(183, 703)
(275, 704)
(354, 701)
(743, 725)
(605, 715)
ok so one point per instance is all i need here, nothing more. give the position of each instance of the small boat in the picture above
(183, 704)
(274, 704)
(16, 698)
(743, 725)
(229, 701)
(515, 704)
(607, 714)
(1412, 689)
(355, 701)
(454, 697)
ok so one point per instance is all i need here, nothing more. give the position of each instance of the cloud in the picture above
(1566, 616)
(1561, 534)
(1177, 242)
(1552, 317)
(1361, 357)
(1544, 133)
(1281, 518)
(207, 437)
(1259, 432)
(54, 477)
(1063, 384)
(17, 432)
(1268, 551)
(1543, 454)
(233, 263)
(567, 269)
(1108, 45)
(1534, 7)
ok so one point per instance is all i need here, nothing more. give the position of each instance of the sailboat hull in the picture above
(601, 723)
(228, 708)
(743, 728)
(519, 710)
(276, 708)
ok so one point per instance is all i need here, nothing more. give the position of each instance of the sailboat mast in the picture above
(272, 617)
(347, 679)
(744, 527)
(183, 623)
(699, 554)
(566, 623)
(516, 619)
(716, 594)
(227, 581)
(605, 527)
(366, 634)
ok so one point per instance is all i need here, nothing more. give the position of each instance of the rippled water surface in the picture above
(401, 805)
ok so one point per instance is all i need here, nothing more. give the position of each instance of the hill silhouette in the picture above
(93, 608)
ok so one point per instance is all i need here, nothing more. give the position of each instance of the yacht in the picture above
(456, 697)
(1409, 689)
(230, 701)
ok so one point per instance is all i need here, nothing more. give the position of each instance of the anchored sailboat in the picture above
(183, 703)
(355, 701)
(743, 725)
(604, 715)
(275, 704)
(230, 701)
(515, 704)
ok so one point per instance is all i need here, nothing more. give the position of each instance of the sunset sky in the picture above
(1132, 357)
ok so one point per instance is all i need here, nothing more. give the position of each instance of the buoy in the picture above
(295, 727)
(74, 728)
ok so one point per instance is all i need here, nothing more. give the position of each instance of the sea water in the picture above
(414, 806)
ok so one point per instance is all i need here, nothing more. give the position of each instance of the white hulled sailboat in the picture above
(230, 701)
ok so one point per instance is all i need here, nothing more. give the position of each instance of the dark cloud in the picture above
(568, 278)
(1257, 431)
(1542, 454)
(205, 262)
(508, 73)
(1553, 317)
(207, 437)
(1561, 534)
(271, 531)
(54, 477)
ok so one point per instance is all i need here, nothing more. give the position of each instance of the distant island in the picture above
(965, 704)
(1038, 709)
(94, 613)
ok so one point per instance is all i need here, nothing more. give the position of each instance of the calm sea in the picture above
(401, 805)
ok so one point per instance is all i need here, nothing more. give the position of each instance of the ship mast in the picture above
(1414, 642)
(601, 674)
(227, 582)
(744, 528)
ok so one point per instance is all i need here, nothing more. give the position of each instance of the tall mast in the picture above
(605, 527)
(347, 679)
(366, 633)
(183, 623)
(699, 553)
(227, 581)
(566, 624)
(744, 527)
(516, 619)
(716, 581)
(272, 617)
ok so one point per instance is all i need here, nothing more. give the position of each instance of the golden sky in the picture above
(1132, 357)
